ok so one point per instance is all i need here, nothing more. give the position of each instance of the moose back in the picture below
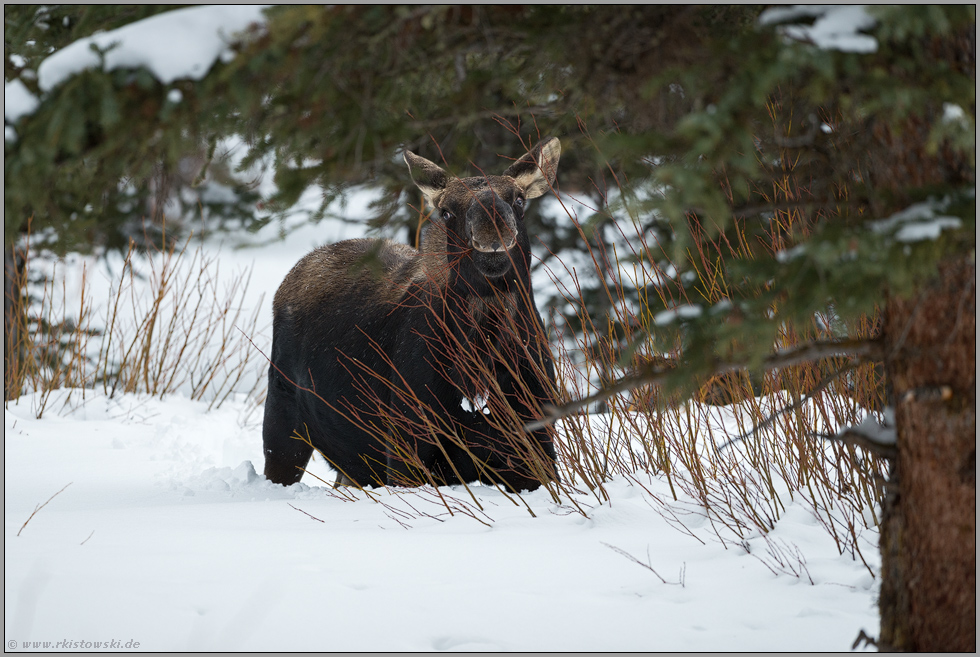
(406, 367)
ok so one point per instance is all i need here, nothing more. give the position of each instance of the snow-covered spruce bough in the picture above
(376, 345)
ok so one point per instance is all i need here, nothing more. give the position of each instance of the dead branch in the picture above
(305, 513)
(41, 506)
(644, 565)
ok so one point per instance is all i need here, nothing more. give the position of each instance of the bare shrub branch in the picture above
(41, 506)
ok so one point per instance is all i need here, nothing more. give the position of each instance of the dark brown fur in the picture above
(373, 339)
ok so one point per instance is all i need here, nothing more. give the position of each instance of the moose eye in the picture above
(519, 203)
(447, 215)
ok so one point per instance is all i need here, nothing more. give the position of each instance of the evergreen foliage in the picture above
(699, 123)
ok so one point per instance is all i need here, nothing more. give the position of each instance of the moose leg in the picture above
(285, 455)
(285, 461)
(410, 461)
(528, 459)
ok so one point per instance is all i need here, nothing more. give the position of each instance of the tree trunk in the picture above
(13, 321)
(928, 533)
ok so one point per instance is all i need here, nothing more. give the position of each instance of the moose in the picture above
(382, 354)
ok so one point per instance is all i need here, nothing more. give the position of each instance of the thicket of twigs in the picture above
(169, 322)
(737, 453)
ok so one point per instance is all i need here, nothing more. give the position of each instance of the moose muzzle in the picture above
(491, 224)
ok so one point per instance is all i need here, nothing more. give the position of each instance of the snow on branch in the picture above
(686, 311)
(179, 44)
(880, 438)
(837, 27)
(918, 222)
(18, 101)
(184, 43)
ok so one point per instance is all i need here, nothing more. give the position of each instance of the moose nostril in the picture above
(493, 246)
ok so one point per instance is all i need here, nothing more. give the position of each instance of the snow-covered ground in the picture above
(166, 536)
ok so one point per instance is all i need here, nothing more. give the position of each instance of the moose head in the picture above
(483, 216)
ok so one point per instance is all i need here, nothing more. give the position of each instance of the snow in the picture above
(918, 222)
(786, 255)
(953, 113)
(179, 44)
(686, 311)
(837, 27)
(882, 432)
(168, 536)
(926, 230)
(18, 101)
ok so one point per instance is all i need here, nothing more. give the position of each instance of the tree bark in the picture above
(928, 534)
(13, 322)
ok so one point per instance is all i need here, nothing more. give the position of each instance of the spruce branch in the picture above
(861, 350)
(859, 439)
(872, 436)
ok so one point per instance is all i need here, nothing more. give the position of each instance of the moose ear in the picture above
(427, 176)
(536, 171)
